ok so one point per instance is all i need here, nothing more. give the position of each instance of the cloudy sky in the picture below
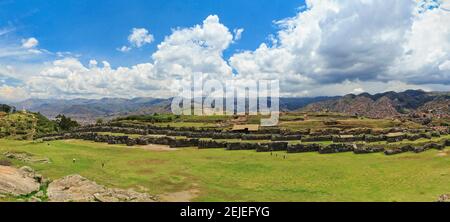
(94, 49)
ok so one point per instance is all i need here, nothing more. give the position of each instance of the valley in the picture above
(309, 156)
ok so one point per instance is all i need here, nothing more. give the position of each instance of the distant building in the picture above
(245, 128)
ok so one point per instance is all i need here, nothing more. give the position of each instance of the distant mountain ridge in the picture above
(379, 105)
(383, 105)
(88, 110)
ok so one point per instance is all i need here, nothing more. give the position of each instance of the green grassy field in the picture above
(221, 175)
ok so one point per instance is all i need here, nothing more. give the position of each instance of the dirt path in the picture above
(182, 196)
(154, 147)
(442, 153)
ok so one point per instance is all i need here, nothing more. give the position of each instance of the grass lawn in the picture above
(319, 123)
(222, 175)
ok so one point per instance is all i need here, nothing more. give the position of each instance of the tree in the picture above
(100, 121)
(66, 123)
(7, 109)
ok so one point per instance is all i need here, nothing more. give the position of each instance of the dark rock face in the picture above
(336, 148)
(303, 148)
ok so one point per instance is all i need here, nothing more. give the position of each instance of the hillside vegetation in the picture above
(388, 104)
(23, 125)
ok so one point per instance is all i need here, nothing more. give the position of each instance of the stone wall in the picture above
(278, 146)
(177, 143)
(336, 148)
(340, 139)
(367, 149)
(317, 138)
(278, 137)
(303, 148)
(245, 146)
(256, 137)
(208, 144)
(402, 149)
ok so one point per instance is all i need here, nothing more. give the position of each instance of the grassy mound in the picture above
(23, 125)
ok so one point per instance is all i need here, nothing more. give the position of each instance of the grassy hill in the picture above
(24, 125)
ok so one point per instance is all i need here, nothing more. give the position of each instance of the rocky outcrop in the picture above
(25, 157)
(444, 198)
(383, 105)
(75, 188)
(16, 182)
(357, 105)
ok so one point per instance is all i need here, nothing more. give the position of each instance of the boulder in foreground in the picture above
(75, 188)
(18, 182)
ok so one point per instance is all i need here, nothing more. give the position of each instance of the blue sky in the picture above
(109, 48)
(96, 28)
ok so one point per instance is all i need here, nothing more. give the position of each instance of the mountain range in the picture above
(386, 104)
(380, 105)
(88, 110)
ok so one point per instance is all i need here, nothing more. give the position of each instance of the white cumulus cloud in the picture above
(138, 38)
(331, 47)
(29, 43)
